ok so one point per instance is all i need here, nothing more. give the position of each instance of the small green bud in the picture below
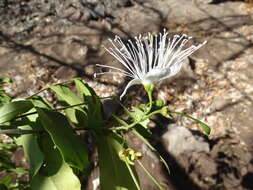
(159, 103)
(165, 112)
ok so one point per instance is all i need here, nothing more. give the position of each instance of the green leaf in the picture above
(11, 110)
(76, 114)
(71, 147)
(19, 171)
(94, 111)
(205, 127)
(165, 112)
(139, 116)
(159, 103)
(5, 80)
(114, 174)
(7, 180)
(88, 94)
(5, 151)
(3, 187)
(4, 97)
(55, 173)
(40, 102)
(65, 94)
(32, 151)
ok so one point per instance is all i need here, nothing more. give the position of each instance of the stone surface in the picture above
(180, 140)
(45, 42)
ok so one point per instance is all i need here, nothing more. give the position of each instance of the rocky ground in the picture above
(44, 42)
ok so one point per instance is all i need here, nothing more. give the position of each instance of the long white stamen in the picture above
(126, 62)
(116, 68)
(149, 59)
(108, 72)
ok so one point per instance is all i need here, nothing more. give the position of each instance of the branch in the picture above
(25, 132)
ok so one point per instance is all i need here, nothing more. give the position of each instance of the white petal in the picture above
(155, 75)
(172, 70)
(131, 83)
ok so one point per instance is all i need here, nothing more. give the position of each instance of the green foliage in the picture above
(205, 127)
(94, 111)
(53, 148)
(8, 169)
(32, 151)
(139, 116)
(11, 110)
(55, 173)
(66, 97)
(114, 173)
(4, 97)
(71, 147)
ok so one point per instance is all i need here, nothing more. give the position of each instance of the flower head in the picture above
(149, 59)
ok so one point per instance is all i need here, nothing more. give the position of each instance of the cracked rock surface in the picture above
(45, 42)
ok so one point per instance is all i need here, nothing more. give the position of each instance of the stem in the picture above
(64, 82)
(57, 109)
(24, 131)
(184, 115)
(133, 176)
(150, 101)
(20, 131)
(204, 126)
(188, 116)
(152, 149)
(43, 89)
(150, 175)
(107, 97)
(149, 89)
(127, 127)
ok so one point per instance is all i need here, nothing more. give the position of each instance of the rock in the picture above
(218, 104)
(104, 7)
(73, 10)
(208, 166)
(128, 18)
(186, 70)
(146, 150)
(64, 73)
(180, 140)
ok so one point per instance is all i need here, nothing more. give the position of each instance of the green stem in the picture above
(184, 115)
(133, 176)
(204, 126)
(57, 109)
(152, 149)
(127, 127)
(124, 127)
(20, 131)
(24, 131)
(149, 89)
(43, 89)
(150, 101)
(150, 175)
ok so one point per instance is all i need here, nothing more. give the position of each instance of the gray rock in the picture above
(147, 151)
(180, 140)
(104, 7)
(64, 73)
(219, 103)
(186, 70)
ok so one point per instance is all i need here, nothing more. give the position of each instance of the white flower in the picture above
(150, 59)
